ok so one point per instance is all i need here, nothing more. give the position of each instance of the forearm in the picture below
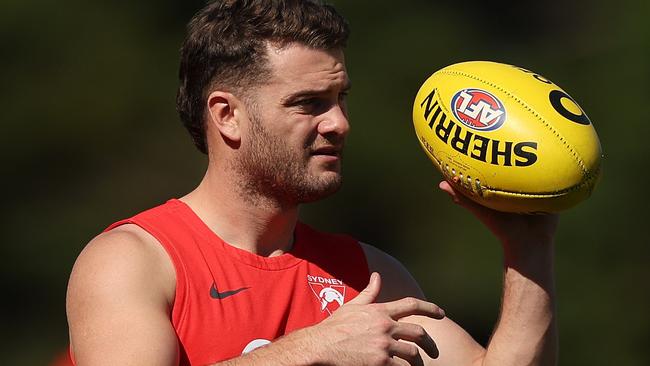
(526, 332)
(290, 350)
(360, 332)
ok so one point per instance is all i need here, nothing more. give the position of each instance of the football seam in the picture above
(585, 183)
(576, 156)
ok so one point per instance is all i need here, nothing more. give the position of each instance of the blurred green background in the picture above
(90, 135)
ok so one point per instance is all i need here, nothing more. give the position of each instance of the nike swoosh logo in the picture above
(215, 294)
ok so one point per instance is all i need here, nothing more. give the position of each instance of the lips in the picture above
(328, 151)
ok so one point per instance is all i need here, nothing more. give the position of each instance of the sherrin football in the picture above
(507, 138)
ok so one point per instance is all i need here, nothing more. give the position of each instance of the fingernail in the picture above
(436, 353)
(373, 276)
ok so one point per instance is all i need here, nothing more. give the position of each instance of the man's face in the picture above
(291, 150)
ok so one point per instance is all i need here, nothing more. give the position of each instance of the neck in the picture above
(259, 225)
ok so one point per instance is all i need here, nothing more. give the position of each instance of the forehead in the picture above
(298, 66)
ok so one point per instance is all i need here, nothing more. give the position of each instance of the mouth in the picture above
(333, 151)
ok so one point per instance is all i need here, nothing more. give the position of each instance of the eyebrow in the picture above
(291, 98)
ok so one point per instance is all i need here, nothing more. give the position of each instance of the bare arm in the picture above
(526, 332)
(118, 302)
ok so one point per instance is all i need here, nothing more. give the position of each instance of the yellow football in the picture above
(507, 138)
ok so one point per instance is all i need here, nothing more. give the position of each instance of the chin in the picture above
(324, 189)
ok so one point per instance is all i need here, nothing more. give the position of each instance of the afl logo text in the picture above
(478, 109)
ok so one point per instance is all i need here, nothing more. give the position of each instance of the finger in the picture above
(461, 199)
(412, 306)
(445, 186)
(418, 335)
(481, 212)
(369, 294)
(407, 352)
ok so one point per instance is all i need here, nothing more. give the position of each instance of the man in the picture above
(228, 275)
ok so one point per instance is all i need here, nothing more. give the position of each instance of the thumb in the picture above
(369, 294)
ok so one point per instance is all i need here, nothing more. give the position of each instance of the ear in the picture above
(221, 108)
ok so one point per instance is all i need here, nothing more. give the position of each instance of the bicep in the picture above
(456, 346)
(117, 308)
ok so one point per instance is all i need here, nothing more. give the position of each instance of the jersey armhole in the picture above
(181, 286)
(397, 280)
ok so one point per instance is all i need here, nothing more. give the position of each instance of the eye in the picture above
(313, 105)
(307, 102)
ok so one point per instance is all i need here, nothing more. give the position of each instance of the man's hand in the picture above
(365, 333)
(511, 229)
(361, 332)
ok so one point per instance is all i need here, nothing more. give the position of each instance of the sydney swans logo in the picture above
(330, 292)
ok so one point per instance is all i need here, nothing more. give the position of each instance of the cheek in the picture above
(302, 132)
(293, 129)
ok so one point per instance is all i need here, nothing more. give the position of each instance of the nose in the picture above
(335, 122)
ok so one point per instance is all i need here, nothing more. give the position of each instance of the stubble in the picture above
(270, 172)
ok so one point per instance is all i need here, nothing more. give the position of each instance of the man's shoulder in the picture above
(122, 257)
(123, 241)
(126, 246)
(124, 234)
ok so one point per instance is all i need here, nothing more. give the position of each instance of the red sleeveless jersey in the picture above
(229, 301)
